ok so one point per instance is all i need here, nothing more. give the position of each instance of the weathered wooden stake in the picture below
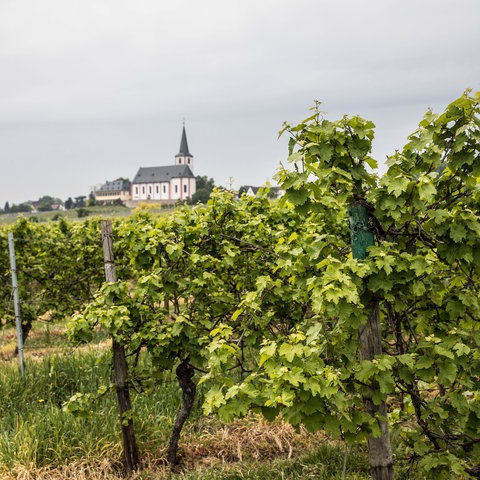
(16, 302)
(370, 342)
(130, 451)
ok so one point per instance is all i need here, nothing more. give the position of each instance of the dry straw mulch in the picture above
(250, 439)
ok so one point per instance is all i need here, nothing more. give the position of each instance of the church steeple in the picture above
(184, 157)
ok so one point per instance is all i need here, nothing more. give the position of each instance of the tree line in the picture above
(47, 203)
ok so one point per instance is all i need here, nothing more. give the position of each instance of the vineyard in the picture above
(348, 307)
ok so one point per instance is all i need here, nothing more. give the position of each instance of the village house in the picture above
(251, 191)
(113, 192)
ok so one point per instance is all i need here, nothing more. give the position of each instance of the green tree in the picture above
(91, 202)
(204, 182)
(204, 188)
(69, 203)
(79, 201)
(46, 203)
(20, 208)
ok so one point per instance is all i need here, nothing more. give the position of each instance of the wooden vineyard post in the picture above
(130, 451)
(370, 343)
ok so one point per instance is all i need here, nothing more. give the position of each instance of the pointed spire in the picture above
(183, 144)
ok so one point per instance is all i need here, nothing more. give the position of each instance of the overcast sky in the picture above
(91, 90)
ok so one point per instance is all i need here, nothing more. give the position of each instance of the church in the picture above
(167, 183)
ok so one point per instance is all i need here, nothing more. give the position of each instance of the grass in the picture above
(35, 430)
(40, 440)
(324, 463)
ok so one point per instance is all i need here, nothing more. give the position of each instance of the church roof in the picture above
(184, 146)
(162, 174)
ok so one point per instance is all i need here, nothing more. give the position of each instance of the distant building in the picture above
(113, 192)
(168, 183)
(251, 191)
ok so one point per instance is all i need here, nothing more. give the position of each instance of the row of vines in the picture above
(59, 266)
(263, 304)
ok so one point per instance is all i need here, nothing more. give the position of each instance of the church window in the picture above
(184, 189)
(176, 188)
